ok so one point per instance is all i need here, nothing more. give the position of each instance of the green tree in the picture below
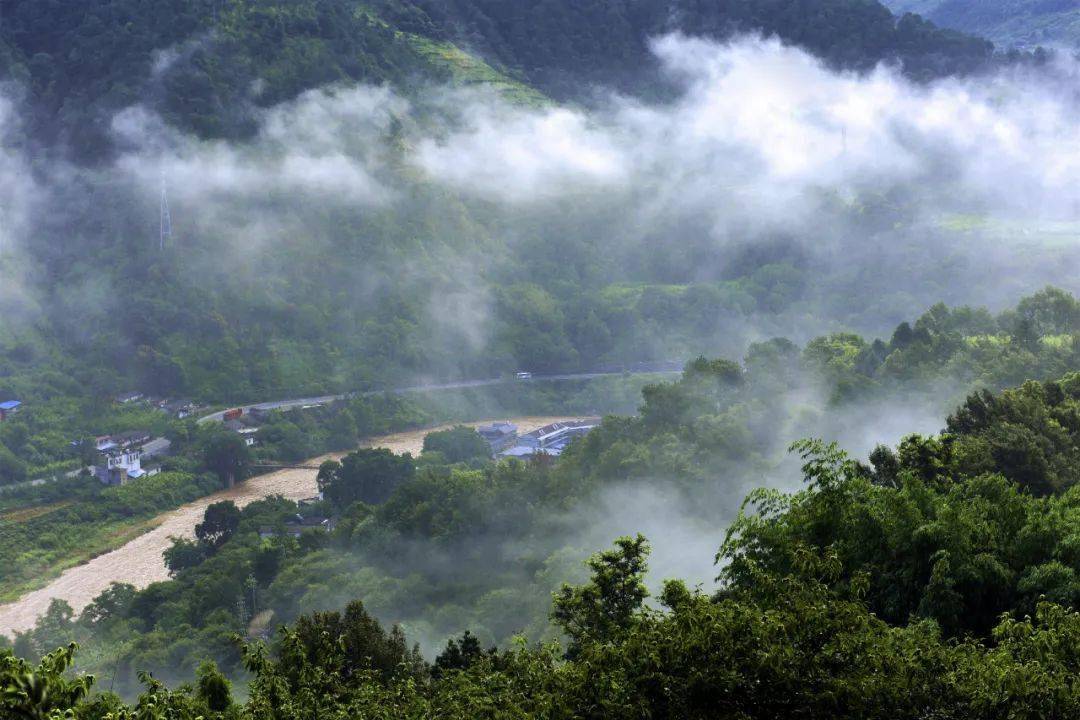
(212, 687)
(607, 606)
(457, 444)
(461, 654)
(220, 521)
(44, 692)
(344, 432)
(225, 454)
(367, 475)
(12, 470)
(112, 604)
(183, 554)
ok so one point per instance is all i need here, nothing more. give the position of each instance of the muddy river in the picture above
(139, 562)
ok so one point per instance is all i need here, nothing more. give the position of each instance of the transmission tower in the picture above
(166, 219)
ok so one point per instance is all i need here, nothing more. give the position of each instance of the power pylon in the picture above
(166, 219)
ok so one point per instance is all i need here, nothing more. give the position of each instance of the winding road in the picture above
(139, 562)
(660, 368)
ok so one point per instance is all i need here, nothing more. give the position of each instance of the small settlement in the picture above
(120, 457)
(134, 454)
(550, 439)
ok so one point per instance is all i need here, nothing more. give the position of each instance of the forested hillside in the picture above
(933, 578)
(835, 511)
(324, 238)
(207, 64)
(560, 44)
(1009, 23)
(449, 540)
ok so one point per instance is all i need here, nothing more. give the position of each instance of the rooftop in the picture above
(310, 521)
(131, 435)
(558, 427)
(499, 428)
(520, 451)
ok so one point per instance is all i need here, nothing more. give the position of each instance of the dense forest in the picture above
(934, 578)
(306, 263)
(197, 61)
(450, 540)
(833, 510)
(1022, 23)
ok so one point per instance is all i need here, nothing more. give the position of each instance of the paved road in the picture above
(39, 481)
(459, 385)
(659, 369)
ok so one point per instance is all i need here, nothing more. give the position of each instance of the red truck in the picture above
(232, 414)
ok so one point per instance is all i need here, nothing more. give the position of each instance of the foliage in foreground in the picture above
(791, 647)
(802, 627)
(440, 547)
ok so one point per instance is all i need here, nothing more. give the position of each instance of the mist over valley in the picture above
(379, 322)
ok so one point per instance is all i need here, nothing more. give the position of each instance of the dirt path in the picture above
(139, 561)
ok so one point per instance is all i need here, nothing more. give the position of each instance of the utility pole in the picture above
(166, 218)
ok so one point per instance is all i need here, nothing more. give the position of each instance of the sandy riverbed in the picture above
(139, 562)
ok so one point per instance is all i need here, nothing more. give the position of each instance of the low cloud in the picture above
(328, 145)
(18, 195)
(766, 124)
(919, 191)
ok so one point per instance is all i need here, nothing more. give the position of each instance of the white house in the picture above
(118, 465)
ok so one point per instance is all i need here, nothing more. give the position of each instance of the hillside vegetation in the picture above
(293, 295)
(934, 579)
(208, 64)
(450, 541)
(1008, 23)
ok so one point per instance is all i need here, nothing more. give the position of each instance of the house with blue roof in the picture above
(9, 408)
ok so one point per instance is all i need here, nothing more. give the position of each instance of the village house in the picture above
(120, 457)
(116, 466)
(550, 439)
(243, 429)
(178, 409)
(9, 408)
(499, 436)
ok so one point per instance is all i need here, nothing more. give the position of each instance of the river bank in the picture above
(139, 561)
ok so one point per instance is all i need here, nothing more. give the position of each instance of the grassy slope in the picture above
(444, 59)
(468, 70)
(37, 567)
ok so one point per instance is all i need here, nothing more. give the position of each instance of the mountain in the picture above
(207, 64)
(560, 43)
(326, 235)
(1009, 23)
(82, 77)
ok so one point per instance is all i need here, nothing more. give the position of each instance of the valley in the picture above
(139, 561)
(780, 299)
